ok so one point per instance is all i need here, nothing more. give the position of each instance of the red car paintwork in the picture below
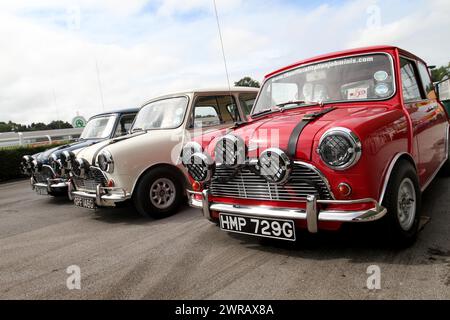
(386, 129)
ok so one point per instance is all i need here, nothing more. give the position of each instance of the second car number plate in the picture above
(82, 202)
(41, 190)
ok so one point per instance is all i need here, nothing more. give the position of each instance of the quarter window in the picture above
(247, 100)
(411, 91)
(426, 80)
(124, 125)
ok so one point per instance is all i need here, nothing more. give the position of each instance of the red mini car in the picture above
(353, 136)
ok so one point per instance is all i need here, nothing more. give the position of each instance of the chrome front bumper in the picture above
(101, 198)
(51, 185)
(311, 214)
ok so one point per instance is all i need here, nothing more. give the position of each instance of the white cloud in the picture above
(423, 31)
(145, 48)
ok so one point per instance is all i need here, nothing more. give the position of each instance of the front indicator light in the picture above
(344, 189)
(196, 186)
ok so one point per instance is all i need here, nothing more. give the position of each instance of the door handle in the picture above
(432, 108)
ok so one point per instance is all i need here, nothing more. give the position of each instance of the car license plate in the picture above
(267, 227)
(43, 191)
(82, 202)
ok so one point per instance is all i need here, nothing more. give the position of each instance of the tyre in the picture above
(58, 193)
(445, 171)
(402, 201)
(158, 194)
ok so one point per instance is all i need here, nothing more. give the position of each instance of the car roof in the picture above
(345, 53)
(221, 90)
(128, 110)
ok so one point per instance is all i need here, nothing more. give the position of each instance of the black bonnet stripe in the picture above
(295, 135)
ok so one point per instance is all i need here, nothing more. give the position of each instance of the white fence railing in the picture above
(10, 139)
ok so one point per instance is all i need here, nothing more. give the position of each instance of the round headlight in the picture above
(67, 157)
(26, 159)
(105, 161)
(230, 151)
(25, 164)
(200, 167)
(339, 148)
(36, 165)
(188, 150)
(275, 166)
(80, 167)
(55, 163)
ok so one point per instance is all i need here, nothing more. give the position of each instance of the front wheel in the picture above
(158, 194)
(402, 201)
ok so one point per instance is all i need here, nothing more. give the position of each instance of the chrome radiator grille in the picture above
(89, 183)
(246, 184)
(45, 173)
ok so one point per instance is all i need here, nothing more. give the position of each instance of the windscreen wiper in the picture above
(296, 102)
(300, 102)
(267, 111)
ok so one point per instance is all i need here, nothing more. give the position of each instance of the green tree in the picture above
(59, 125)
(439, 73)
(38, 126)
(247, 82)
(17, 127)
(4, 127)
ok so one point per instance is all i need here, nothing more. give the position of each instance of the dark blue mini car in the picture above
(47, 175)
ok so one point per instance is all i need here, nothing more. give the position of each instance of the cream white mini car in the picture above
(145, 165)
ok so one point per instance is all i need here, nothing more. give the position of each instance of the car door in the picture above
(427, 115)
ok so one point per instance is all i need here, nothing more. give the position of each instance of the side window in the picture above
(247, 100)
(444, 90)
(124, 125)
(206, 116)
(426, 80)
(411, 91)
(215, 110)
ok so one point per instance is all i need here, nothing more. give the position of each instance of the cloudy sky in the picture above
(51, 49)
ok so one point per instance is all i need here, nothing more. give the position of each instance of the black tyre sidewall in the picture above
(445, 171)
(141, 196)
(395, 232)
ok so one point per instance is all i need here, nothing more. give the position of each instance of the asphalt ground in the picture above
(124, 256)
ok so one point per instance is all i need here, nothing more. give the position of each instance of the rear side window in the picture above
(215, 110)
(411, 90)
(444, 90)
(426, 81)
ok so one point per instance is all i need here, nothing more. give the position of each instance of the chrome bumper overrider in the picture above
(311, 214)
(101, 198)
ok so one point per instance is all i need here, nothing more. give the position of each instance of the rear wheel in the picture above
(402, 201)
(445, 171)
(158, 194)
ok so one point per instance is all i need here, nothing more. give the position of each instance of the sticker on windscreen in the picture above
(357, 93)
(381, 75)
(382, 90)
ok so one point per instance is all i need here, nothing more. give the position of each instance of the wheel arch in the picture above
(390, 169)
(180, 175)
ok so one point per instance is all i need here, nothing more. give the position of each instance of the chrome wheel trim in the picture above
(406, 204)
(162, 193)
